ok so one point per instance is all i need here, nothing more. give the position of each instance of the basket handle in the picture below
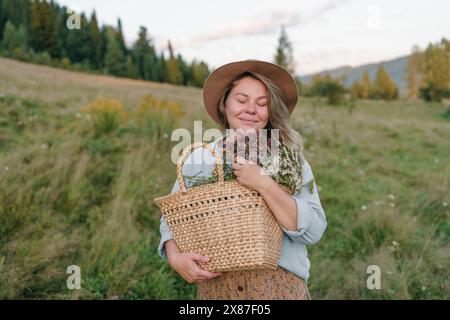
(182, 159)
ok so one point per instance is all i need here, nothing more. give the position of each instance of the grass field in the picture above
(73, 194)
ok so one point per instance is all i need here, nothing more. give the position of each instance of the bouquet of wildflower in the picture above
(285, 167)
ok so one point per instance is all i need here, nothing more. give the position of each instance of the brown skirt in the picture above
(264, 284)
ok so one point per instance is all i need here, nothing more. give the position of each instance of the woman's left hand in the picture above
(250, 174)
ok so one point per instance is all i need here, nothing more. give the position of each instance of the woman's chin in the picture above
(249, 126)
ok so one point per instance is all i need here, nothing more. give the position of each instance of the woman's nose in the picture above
(251, 107)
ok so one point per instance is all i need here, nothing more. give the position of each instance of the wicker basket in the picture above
(226, 221)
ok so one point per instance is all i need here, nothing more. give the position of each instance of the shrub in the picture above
(106, 114)
(158, 117)
(326, 86)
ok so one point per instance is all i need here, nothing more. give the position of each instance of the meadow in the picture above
(83, 156)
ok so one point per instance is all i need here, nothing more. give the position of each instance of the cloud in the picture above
(261, 24)
(330, 6)
(266, 23)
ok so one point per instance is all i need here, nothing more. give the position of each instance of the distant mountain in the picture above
(395, 67)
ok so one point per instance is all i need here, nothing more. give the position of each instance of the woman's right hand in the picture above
(185, 264)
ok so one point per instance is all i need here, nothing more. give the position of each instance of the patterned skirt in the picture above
(263, 284)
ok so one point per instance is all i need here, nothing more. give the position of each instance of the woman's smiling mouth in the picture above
(247, 121)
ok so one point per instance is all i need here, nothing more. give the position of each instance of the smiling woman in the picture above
(251, 95)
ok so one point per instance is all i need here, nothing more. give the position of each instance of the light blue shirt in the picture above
(311, 220)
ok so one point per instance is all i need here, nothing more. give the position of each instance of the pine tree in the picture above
(363, 89)
(80, 47)
(9, 38)
(284, 55)
(356, 89)
(120, 38)
(103, 44)
(435, 73)
(131, 68)
(385, 87)
(198, 73)
(144, 56)
(184, 69)
(43, 36)
(173, 73)
(413, 72)
(96, 41)
(17, 12)
(57, 27)
(366, 86)
(115, 62)
(160, 70)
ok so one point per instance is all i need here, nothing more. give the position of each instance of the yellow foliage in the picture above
(151, 104)
(103, 105)
(106, 114)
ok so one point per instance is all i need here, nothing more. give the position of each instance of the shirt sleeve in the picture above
(311, 220)
(164, 230)
(197, 163)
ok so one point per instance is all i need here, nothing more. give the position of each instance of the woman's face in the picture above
(246, 106)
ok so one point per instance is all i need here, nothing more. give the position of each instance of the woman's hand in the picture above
(251, 174)
(185, 264)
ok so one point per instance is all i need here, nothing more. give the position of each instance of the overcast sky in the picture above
(325, 33)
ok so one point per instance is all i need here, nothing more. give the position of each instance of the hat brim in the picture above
(219, 79)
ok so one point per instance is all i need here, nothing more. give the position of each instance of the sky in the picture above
(325, 34)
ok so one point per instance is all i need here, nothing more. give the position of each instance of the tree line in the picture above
(428, 72)
(37, 31)
(335, 92)
(427, 77)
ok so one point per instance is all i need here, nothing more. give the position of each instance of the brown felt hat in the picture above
(219, 79)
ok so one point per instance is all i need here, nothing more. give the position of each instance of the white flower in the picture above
(391, 196)
(364, 207)
(444, 204)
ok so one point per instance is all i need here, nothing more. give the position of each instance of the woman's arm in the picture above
(311, 220)
(300, 215)
(184, 263)
(280, 203)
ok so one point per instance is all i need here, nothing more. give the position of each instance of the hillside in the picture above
(75, 193)
(395, 67)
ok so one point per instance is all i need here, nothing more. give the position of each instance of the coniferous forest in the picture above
(45, 32)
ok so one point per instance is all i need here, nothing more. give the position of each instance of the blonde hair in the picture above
(279, 116)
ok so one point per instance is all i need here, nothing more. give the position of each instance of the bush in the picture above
(106, 114)
(431, 92)
(326, 86)
(158, 117)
